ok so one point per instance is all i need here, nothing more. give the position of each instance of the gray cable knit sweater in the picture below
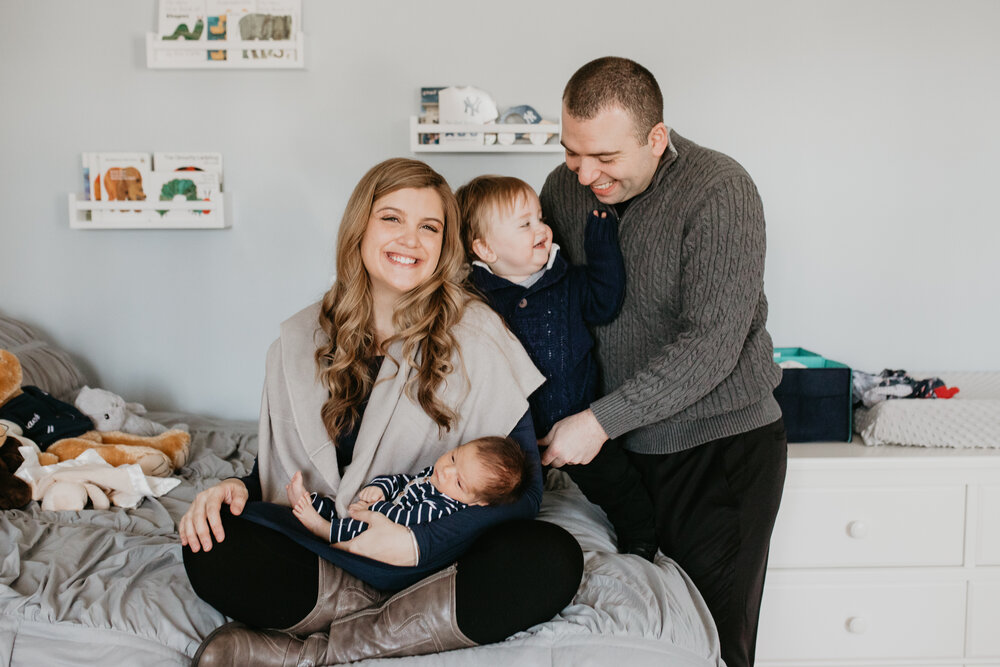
(688, 360)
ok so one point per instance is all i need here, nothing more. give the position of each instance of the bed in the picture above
(108, 587)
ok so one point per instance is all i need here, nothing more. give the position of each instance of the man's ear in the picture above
(659, 138)
(484, 251)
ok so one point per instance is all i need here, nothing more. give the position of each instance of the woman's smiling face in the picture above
(402, 241)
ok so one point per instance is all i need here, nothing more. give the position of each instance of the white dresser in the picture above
(884, 556)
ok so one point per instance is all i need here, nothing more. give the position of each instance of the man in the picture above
(687, 367)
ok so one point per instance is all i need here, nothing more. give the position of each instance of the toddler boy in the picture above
(548, 304)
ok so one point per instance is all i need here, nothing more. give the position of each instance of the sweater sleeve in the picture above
(722, 259)
(603, 289)
(442, 541)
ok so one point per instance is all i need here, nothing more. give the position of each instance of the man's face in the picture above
(606, 156)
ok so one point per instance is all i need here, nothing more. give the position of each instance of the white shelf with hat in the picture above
(465, 119)
(484, 137)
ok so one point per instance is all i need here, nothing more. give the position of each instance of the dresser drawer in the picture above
(862, 621)
(984, 619)
(866, 526)
(988, 548)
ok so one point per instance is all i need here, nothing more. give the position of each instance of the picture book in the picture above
(122, 177)
(271, 20)
(183, 185)
(88, 184)
(222, 18)
(207, 162)
(429, 112)
(181, 20)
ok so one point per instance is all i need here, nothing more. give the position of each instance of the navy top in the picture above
(550, 318)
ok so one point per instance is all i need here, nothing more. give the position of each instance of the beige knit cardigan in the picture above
(488, 390)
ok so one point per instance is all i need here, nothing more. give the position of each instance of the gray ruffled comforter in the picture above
(108, 587)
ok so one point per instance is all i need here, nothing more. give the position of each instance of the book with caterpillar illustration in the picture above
(186, 176)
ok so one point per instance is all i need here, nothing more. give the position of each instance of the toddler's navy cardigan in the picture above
(550, 319)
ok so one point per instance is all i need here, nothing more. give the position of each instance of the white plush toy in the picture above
(110, 412)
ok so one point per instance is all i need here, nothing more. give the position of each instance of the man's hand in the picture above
(574, 440)
(384, 540)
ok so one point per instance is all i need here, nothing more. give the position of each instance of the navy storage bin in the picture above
(815, 401)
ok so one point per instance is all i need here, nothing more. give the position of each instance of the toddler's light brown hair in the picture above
(484, 197)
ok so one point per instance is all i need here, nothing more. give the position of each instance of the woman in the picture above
(396, 365)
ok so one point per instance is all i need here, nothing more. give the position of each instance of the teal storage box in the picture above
(815, 400)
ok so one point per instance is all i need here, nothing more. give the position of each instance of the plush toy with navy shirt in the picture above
(549, 305)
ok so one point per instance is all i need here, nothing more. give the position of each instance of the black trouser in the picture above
(515, 575)
(612, 482)
(715, 509)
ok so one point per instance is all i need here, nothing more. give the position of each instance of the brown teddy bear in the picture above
(14, 492)
(63, 432)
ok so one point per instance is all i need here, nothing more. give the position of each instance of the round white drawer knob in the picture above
(857, 529)
(857, 625)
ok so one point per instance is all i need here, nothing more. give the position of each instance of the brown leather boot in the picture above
(340, 594)
(236, 644)
(416, 621)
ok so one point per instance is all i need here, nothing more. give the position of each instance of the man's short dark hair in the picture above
(508, 470)
(616, 82)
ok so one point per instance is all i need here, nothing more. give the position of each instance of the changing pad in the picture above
(971, 419)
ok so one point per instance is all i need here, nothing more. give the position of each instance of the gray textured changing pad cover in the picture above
(108, 587)
(969, 420)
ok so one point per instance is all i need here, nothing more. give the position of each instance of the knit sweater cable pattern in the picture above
(688, 360)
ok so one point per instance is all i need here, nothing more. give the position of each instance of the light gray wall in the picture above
(870, 128)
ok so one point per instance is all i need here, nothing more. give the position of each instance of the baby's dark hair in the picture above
(507, 468)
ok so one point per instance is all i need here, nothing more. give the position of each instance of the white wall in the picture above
(870, 128)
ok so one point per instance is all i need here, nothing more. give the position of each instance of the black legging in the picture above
(515, 575)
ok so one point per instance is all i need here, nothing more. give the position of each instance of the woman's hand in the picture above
(203, 519)
(384, 540)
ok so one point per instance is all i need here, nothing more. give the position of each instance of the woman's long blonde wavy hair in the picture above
(423, 318)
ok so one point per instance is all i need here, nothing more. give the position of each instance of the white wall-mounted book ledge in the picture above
(176, 214)
(484, 137)
(239, 53)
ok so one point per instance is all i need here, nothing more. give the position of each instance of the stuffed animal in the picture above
(110, 412)
(14, 492)
(63, 432)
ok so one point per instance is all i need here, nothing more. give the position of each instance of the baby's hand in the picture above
(371, 494)
(358, 505)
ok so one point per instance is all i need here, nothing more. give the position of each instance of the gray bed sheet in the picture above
(108, 587)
